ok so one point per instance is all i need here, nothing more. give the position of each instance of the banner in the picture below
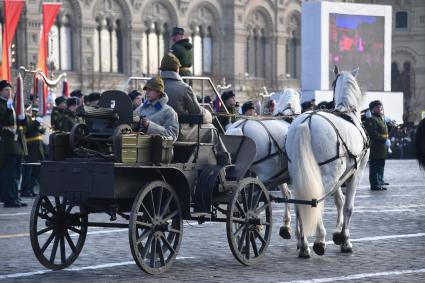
(50, 11)
(12, 13)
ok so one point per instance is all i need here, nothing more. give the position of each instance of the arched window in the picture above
(257, 47)
(401, 20)
(107, 44)
(197, 51)
(293, 48)
(60, 44)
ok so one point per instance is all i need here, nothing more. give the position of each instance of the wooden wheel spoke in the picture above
(167, 244)
(247, 244)
(261, 208)
(143, 224)
(146, 247)
(68, 210)
(143, 236)
(257, 199)
(48, 203)
(244, 201)
(75, 230)
(62, 249)
(164, 209)
(250, 197)
(242, 239)
(44, 216)
(47, 229)
(47, 243)
(239, 230)
(146, 211)
(70, 242)
(152, 198)
(54, 249)
(254, 244)
(259, 236)
(153, 253)
(239, 207)
(58, 203)
(160, 253)
(158, 211)
(171, 215)
(174, 231)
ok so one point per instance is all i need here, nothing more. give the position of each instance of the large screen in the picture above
(356, 40)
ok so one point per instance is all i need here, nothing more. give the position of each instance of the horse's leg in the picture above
(285, 230)
(339, 202)
(319, 243)
(302, 239)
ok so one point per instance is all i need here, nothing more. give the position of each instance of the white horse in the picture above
(324, 151)
(270, 164)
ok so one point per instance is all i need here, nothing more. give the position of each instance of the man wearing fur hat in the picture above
(58, 112)
(68, 120)
(228, 98)
(12, 147)
(378, 134)
(183, 50)
(156, 117)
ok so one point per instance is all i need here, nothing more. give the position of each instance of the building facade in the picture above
(250, 43)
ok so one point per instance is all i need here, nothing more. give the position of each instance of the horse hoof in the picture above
(303, 254)
(285, 232)
(319, 248)
(337, 238)
(346, 250)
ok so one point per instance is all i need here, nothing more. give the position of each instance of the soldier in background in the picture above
(248, 109)
(183, 50)
(228, 98)
(77, 93)
(12, 147)
(136, 98)
(34, 137)
(68, 120)
(57, 112)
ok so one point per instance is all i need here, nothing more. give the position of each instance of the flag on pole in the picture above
(12, 13)
(50, 11)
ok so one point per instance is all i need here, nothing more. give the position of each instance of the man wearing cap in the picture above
(68, 120)
(12, 147)
(248, 109)
(94, 98)
(377, 130)
(156, 117)
(58, 112)
(228, 98)
(307, 106)
(136, 98)
(77, 93)
(183, 50)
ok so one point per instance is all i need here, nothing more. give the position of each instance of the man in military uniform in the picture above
(156, 117)
(58, 112)
(12, 147)
(34, 138)
(228, 98)
(248, 109)
(68, 120)
(378, 133)
(183, 50)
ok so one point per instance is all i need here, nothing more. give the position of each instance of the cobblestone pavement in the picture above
(387, 229)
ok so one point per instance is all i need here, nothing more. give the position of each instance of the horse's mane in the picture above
(290, 98)
(420, 144)
(347, 92)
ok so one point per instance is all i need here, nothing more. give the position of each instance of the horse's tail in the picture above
(306, 178)
(420, 144)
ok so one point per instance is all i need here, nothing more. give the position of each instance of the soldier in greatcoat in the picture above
(57, 112)
(378, 133)
(12, 147)
(69, 119)
(156, 117)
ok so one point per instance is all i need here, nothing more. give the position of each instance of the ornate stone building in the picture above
(250, 43)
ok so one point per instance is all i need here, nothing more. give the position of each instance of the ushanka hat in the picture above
(155, 83)
(227, 94)
(59, 100)
(169, 63)
(247, 106)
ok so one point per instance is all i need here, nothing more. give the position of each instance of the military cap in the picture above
(177, 30)
(227, 94)
(72, 101)
(76, 93)
(306, 104)
(374, 103)
(133, 94)
(94, 96)
(170, 63)
(155, 83)
(59, 100)
(247, 106)
(4, 84)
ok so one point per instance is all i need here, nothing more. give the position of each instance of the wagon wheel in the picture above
(156, 227)
(53, 225)
(77, 136)
(249, 221)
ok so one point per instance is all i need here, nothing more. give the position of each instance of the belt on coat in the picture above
(33, 139)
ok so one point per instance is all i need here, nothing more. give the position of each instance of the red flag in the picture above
(12, 13)
(50, 11)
